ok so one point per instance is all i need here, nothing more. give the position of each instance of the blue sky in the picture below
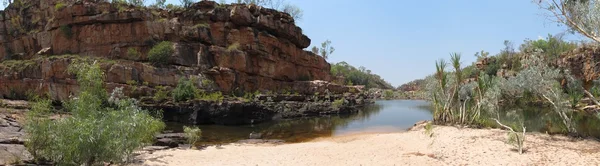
(401, 39)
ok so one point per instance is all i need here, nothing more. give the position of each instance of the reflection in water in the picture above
(546, 120)
(383, 116)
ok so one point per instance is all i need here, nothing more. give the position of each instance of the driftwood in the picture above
(520, 140)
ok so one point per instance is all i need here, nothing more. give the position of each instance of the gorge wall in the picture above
(238, 47)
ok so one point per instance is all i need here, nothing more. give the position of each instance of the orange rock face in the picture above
(583, 64)
(238, 47)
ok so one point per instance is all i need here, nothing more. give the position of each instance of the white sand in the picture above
(448, 146)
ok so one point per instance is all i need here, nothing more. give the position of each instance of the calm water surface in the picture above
(383, 116)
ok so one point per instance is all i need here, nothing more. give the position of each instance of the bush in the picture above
(202, 25)
(388, 94)
(108, 130)
(187, 3)
(161, 93)
(192, 134)
(171, 7)
(337, 103)
(185, 90)
(59, 6)
(160, 53)
(133, 54)
(232, 47)
(216, 96)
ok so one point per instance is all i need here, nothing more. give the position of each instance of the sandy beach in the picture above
(448, 146)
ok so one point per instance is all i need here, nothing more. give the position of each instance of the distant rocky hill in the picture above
(230, 47)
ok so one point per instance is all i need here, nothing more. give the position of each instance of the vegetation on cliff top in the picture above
(357, 76)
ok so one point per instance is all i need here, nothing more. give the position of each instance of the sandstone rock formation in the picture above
(583, 64)
(238, 47)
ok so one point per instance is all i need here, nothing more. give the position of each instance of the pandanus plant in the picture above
(442, 78)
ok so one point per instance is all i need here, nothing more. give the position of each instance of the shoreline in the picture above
(448, 146)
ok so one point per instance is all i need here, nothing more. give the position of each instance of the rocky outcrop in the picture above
(12, 150)
(583, 64)
(237, 47)
(261, 108)
(414, 85)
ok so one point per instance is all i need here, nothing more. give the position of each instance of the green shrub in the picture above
(161, 93)
(388, 94)
(160, 53)
(37, 125)
(133, 54)
(202, 25)
(216, 96)
(59, 6)
(108, 130)
(131, 82)
(337, 103)
(192, 134)
(66, 30)
(232, 47)
(207, 83)
(171, 7)
(429, 129)
(185, 90)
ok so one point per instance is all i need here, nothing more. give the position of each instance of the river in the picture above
(383, 116)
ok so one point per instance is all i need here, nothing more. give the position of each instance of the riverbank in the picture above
(448, 145)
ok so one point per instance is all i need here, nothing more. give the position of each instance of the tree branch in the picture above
(569, 22)
(505, 126)
(591, 97)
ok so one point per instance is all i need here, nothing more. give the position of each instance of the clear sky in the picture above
(401, 39)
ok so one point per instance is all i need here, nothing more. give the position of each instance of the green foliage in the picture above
(185, 90)
(235, 46)
(215, 96)
(187, 3)
(578, 15)
(38, 127)
(59, 6)
(294, 11)
(552, 47)
(172, 7)
(574, 91)
(160, 53)
(337, 103)
(250, 96)
(280, 5)
(192, 134)
(133, 54)
(136, 2)
(160, 3)
(108, 130)
(326, 49)
(66, 30)
(429, 129)
(161, 93)
(202, 25)
(359, 76)
(388, 94)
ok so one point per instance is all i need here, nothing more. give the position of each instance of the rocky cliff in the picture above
(583, 62)
(237, 47)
